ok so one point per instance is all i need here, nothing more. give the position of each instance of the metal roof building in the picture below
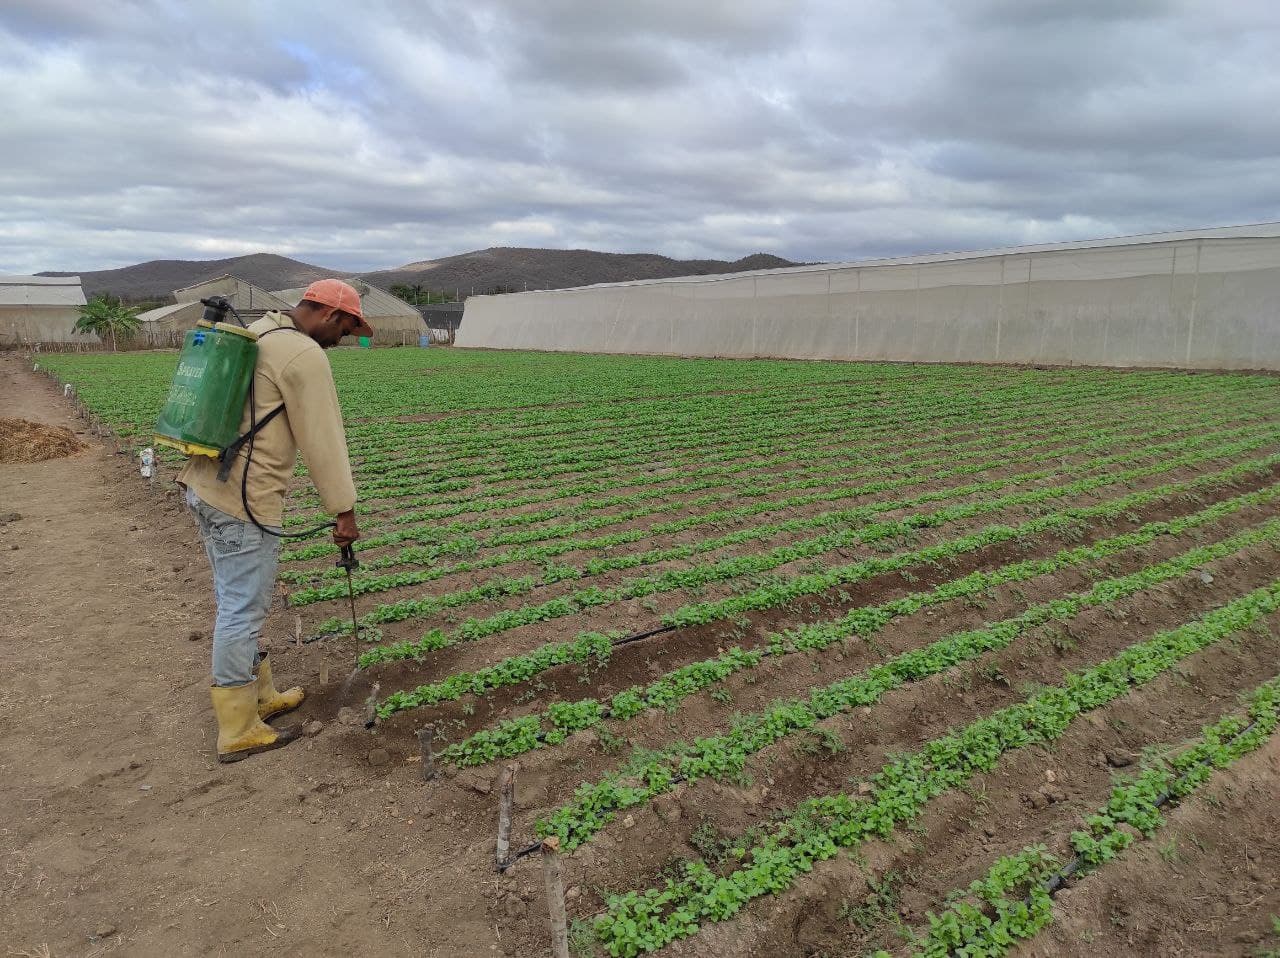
(40, 309)
(165, 325)
(394, 322)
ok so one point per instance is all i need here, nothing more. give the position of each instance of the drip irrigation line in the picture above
(522, 853)
(1057, 881)
(606, 712)
(615, 643)
(530, 849)
(636, 637)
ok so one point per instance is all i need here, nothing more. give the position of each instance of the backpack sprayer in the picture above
(206, 404)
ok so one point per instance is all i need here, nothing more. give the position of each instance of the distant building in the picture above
(166, 325)
(394, 322)
(41, 309)
(443, 320)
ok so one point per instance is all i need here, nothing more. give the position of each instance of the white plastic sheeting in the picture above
(1200, 298)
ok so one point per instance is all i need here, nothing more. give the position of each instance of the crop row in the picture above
(725, 755)
(759, 438)
(560, 394)
(696, 479)
(1012, 901)
(671, 482)
(891, 474)
(755, 438)
(763, 432)
(638, 922)
(672, 431)
(1005, 457)
(515, 736)
(539, 424)
(919, 409)
(520, 667)
(860, 532)
(699, 413)
(706, 413)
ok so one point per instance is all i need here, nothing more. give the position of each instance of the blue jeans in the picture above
(244, 560)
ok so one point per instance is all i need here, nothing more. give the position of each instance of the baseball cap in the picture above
(340, 295)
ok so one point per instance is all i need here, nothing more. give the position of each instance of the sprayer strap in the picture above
(228, 455)
(232, 451)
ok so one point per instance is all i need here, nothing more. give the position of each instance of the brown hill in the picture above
(158, 278)
(500, 268)
(514, 268)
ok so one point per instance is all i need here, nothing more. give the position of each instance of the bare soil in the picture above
(121, 833)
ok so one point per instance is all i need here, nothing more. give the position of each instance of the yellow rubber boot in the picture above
(270, 701)
(240, 732)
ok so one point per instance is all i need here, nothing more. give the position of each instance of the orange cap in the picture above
(340, 295)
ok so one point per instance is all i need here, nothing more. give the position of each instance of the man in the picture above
(292, 371)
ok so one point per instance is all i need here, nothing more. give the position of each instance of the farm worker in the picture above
(291, 370)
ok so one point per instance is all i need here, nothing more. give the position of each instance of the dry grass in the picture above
(24, 441)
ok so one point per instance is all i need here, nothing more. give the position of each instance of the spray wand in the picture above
(349, 562)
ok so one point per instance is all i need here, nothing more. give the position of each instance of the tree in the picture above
(105, 318)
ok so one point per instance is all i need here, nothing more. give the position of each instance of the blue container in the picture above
(424, 340)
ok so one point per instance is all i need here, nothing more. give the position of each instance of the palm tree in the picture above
(103, 317)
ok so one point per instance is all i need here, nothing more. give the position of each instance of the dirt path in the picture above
(119, 832)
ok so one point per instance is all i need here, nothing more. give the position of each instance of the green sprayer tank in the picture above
(206, 401)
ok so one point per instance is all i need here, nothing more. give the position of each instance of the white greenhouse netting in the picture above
(1204, 298)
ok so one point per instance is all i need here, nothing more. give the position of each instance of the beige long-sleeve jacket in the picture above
(291, 369)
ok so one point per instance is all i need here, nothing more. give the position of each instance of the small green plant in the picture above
(879, 905)
(608, 741)
(707, 842)
(1061, 640)
(1267, 951)
(821, 741)
(582, 943)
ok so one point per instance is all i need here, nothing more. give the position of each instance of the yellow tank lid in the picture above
(238, 330)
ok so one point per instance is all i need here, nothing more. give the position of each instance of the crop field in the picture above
(808, 658)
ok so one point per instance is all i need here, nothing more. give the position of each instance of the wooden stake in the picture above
(555, 897)
(297, 631)
(506, 802)
(371, 706)
(425, 735)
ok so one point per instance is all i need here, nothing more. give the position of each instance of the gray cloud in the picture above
(400, 131)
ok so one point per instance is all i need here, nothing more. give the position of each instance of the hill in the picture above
(481, 270)
(158, 278)
(505, 267)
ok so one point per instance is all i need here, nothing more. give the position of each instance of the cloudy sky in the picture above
(379, 133)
